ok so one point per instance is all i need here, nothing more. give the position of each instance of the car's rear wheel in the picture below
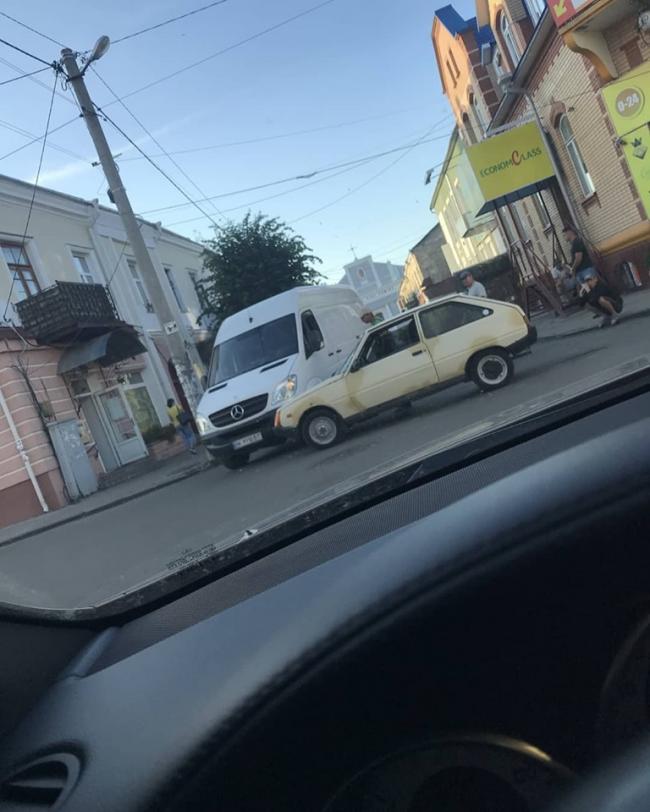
(491, 369)
(235, 461)
(322, 428)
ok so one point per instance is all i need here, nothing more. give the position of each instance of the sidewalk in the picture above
(172, 470)
(635, 305)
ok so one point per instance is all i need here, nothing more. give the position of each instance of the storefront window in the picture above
(142, 407)
(584, 178)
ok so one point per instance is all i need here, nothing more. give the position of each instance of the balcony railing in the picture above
(68, 311)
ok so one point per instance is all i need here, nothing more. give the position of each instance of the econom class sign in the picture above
(511, 161)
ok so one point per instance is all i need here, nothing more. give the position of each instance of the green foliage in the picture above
(156, 433)
(249, 261)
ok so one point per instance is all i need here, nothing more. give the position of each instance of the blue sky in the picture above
(362, 71)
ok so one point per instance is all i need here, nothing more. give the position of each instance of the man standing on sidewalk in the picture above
(472, 286)
(182, 422)
(581, 263)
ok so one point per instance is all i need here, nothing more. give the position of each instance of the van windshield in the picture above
(255, 348)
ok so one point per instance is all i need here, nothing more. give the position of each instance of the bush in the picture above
(156, 433)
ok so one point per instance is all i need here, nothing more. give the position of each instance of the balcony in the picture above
(68, 312)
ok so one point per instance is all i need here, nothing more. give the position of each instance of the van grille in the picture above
(250, 407)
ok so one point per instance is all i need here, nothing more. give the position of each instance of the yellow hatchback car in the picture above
(453, 338)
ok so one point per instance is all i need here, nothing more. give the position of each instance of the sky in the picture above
(359, 75)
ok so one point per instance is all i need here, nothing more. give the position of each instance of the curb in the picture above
(638, 315)
(91, 511)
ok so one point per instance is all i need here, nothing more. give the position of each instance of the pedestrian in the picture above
(472, 286)
(182, 422)
(370, 319)
(581, 262)
(602, 298)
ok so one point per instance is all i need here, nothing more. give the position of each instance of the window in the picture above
(24, 281)
(469, 130)
(584, 178)
(538, 202)
(478, 114)
(450, 316)
(311, 333)
(390, 340)
(535, 9)
(133, 268)
(508, 38)
(83, 269)
(498, 64)
(177, 294)
(453, 62)
(451, 73)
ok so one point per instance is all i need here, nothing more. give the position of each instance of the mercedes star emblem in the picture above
(237, 412)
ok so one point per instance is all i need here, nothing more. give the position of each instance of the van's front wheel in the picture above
(322, 428)
(491, 369)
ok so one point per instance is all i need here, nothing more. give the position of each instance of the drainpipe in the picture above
(23, 454)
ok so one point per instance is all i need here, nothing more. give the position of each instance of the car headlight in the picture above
(203, 424)
(285, 390)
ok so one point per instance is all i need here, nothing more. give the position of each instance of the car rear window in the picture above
(450, 316)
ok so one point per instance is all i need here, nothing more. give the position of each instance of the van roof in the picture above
(282, 305)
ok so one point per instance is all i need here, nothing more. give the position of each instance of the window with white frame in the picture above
(584, 178)
(478, 113)
(83, 268)
(23, 279)
(177, 294)
(139, 284)
(535, 9)
(508, 37)
(542, 212)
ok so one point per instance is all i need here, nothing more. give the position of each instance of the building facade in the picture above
(82, 352)
(425, 268)
(377, 284)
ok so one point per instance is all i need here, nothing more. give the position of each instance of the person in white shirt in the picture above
(472, 287)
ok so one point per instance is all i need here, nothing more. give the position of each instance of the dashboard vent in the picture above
(40, 786)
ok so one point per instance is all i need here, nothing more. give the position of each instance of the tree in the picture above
(249, 261)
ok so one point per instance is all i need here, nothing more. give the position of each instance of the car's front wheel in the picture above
(322, 428)
(235, 461)
(491, 369)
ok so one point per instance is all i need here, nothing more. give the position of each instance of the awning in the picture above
(105, 350)
(513, 197)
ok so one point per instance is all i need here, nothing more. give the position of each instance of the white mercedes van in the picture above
(267, 354)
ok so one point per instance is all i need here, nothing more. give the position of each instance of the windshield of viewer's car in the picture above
(357, 245)
(255, 348)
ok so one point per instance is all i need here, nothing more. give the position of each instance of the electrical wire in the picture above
(33, 30)
(32, 79)
(304, 175)
(38, 175)
(232, 47)
(24, 76)
(37, 139)
(158, 144)
(27, 53)
(27, 134)
(167, 22)
(153, 163)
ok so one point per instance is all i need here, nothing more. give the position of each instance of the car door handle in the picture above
(338, 351)
(330, 354)
(417, 352)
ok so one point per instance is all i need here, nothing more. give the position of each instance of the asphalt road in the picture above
(98, 557)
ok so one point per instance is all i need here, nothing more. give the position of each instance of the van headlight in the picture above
(203, 424)
(285, 390)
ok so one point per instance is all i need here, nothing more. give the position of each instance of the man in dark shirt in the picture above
(581, 262)
(602, 298)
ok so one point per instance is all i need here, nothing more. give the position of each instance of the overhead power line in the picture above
(36, 179)
(24, 76)
(305, 175)
(154, 164)
(27, 134)
(33, 30)
(27, 53)
(232, 47)
(33, 79)
(167, 22)
(157, 143)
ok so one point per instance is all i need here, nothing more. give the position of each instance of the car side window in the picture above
(311, 333)
(390, 340)
(450, 316)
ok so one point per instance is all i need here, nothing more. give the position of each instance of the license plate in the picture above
(251, 439)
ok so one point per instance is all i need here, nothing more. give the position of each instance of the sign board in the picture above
(628, 104)
(511, 161)
(564, 10)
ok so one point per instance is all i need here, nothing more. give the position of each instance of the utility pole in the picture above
(170, 330)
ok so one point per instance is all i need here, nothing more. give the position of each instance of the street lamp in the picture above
(101, 46)
(507, 87)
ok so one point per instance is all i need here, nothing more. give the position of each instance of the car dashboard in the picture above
(479, 641)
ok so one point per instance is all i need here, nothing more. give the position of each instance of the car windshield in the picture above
(253, 349)
(344, 242)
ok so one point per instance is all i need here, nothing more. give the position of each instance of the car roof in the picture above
(450, 297)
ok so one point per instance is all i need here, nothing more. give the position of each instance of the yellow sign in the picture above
(629, 110)
(510, 161)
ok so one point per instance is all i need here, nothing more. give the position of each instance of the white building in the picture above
(108, 351)
(377, 284)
